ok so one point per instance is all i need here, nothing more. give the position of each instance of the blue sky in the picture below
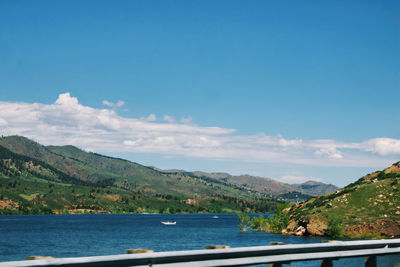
(294, 89)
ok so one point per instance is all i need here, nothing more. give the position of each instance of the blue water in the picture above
(91, 235)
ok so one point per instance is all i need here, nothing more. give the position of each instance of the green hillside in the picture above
(67, 179)
(367, 207)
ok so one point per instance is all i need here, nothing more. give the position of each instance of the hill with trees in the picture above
(64, 179)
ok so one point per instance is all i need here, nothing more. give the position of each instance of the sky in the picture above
(291, 90)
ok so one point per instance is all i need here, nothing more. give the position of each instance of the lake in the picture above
(108, 234)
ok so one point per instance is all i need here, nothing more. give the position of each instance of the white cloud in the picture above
(133, 142)
(113, 105)
(66, 100)
(186, 120)
(286, 143)
(169, 119)
(3, 122)
(151, 117)
(329, 152)
(383, 146)
(103, 130)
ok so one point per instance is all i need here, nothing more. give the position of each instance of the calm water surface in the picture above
(91, 235)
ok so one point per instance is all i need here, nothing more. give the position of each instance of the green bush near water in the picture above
(335, 226)
(273, 223)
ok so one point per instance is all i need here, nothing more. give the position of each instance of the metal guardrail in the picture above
(273, 255)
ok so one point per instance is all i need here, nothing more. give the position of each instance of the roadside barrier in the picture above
(243, 256)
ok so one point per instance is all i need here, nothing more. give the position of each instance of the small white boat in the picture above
(168, 223)
(215, 217)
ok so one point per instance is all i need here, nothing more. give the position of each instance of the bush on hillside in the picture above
(335, 226)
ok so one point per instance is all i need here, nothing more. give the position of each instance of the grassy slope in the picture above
(373, 197)
(137, 177)
(27, 181)
(21, 194)
(70, 166)
(128, 175)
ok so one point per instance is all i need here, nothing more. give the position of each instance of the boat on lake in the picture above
(169, 223)
(215, 217)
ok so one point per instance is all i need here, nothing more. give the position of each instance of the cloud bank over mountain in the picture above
(66, 121)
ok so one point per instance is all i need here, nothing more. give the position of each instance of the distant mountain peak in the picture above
(269, 186)
(311, 182)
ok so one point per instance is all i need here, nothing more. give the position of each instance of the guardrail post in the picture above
(370, 261)
(327, 263)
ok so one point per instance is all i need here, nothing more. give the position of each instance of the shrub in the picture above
(335, 227)
(260, 223)
(280, 219)
(275, 222)
(40, 209)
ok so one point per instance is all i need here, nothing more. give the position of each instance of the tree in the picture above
(244, 221)
(260, 223)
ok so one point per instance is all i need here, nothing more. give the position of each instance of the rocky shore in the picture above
(367, 208)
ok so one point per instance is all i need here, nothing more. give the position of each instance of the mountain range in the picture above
(68, 178)
(267, 186)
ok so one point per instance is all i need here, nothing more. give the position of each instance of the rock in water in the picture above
(301, 231)
(216, 246)
(39, 257)
(138, 250)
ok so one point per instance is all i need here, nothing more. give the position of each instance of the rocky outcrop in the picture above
(369, 206)
(317, 227)
(388, 228)
(313, 227)
(301, 231)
